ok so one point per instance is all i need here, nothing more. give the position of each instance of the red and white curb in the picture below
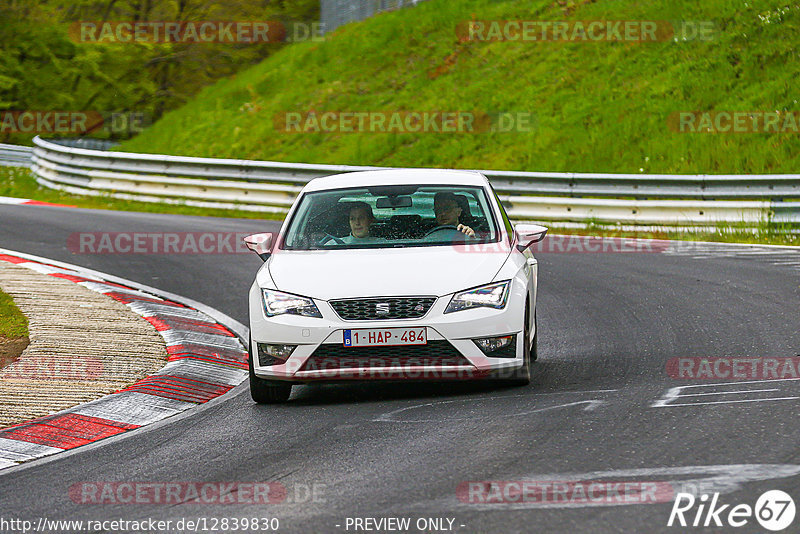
(205, 360)
(29, 202)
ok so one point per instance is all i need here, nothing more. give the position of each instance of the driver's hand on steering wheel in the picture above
(466, 229)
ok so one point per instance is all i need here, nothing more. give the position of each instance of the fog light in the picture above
(498, 347)
(271, 354)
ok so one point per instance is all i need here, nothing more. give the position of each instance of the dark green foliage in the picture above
(45, 66)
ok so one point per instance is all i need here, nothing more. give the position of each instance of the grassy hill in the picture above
(598, 106)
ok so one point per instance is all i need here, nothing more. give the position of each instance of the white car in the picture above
(389, 275)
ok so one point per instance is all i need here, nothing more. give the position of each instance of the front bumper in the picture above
(449, 336)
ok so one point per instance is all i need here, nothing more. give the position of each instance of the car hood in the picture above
(383, 272)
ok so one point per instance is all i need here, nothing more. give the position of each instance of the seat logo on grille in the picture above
(382, 308)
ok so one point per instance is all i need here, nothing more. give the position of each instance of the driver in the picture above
(447, 212)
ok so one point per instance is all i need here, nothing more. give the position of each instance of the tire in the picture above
(534, 343)
(266, 391)
(522, 375)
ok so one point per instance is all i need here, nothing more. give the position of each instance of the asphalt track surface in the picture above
(608, 323)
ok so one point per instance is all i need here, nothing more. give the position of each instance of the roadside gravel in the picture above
(83, 345)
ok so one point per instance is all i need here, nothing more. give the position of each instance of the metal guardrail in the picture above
(272, 187)
(86, 142)
(21, 156)
(15, 155)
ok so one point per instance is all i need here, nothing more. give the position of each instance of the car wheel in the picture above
(534, 348)
(522, 375)
(266, 391)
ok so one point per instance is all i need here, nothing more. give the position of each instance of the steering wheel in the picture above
(325, 240)
(443, 227)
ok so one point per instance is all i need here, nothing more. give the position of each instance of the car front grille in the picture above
(382, 308)
(437, 353)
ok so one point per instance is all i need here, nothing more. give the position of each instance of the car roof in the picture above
(397, 177)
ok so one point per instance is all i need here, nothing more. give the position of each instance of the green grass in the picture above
(763, 234)
(13, 325)
(19, 182)
(598, 107)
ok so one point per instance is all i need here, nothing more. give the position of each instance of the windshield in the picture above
(391, 216)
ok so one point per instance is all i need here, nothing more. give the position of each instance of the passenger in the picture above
(361, 219)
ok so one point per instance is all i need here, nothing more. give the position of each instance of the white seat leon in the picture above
(393, 275)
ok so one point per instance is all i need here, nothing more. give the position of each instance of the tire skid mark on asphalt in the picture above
(205, 360)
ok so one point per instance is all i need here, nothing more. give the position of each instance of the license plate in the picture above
(381, 337)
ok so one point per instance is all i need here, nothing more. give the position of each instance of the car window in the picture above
(402, 216)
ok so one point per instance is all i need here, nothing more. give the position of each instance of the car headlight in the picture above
(489, 296)
(279, 303)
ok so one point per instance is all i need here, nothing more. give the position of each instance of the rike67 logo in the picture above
(774, 510)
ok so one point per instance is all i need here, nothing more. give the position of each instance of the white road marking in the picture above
(389, 417)
(779, 256)
(728, 392)
(675, 393)
(732, 401)
(758, 253)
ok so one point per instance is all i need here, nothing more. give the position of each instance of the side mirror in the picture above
(261, 244)
(528, 234)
